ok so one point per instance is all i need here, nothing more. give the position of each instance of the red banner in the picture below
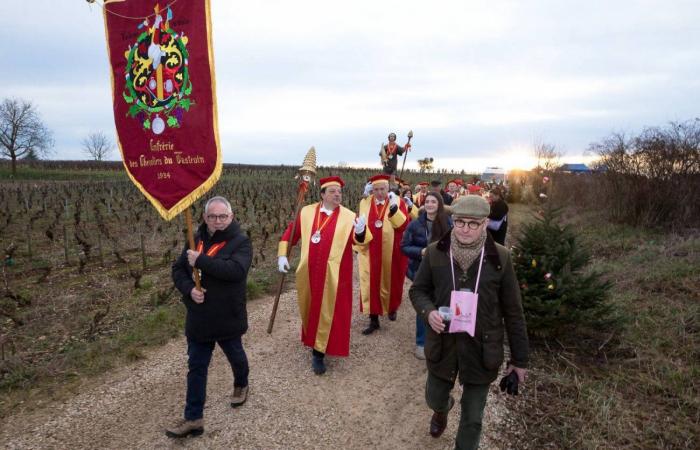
(164, 97)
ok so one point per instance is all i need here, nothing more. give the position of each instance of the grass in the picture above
(638, 388)
(54, 356)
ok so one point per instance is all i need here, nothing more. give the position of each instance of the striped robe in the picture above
(324, 277)
(382, 264)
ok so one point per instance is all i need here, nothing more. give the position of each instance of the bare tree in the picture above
(548, 157)
(97, 145)
(22, 132)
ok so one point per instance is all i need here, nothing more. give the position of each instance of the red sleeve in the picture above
(297, 232)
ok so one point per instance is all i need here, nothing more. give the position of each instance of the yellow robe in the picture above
(382, 264)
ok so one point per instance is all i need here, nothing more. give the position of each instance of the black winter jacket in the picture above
(223, 314)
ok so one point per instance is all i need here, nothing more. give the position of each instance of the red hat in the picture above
(400, 181)
(378, 179)
(455, 181)
(423, 183)
(473, 188)
(331, 181)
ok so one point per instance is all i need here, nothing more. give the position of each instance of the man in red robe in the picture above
(453, 189)
(327, 232)
(381, 262)
(419, 197)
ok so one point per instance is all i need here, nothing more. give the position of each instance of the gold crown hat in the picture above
(309, 164)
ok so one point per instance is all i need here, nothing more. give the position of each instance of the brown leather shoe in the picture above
(240, 395)
(184, 428)
(438, 422)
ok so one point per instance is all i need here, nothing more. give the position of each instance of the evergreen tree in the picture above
(558, 294)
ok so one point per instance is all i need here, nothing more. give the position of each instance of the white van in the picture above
(494, 175)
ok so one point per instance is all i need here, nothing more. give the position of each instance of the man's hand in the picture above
(360, 223)
(423, 250)
(282, 264)
(192, 257)
(393, 199)
(408, 201)
(522, 373)
(435, 322)
(197, 295)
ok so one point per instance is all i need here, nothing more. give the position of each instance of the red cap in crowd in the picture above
(331, 181)
(378, 179)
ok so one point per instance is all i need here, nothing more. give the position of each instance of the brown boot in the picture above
(438, 422)
(184, 428)
(240, 395)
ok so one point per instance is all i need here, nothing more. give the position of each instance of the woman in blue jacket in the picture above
(433, 222)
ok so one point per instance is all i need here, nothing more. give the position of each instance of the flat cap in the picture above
(471, 206)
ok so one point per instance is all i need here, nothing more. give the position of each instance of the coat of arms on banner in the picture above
(158, 84)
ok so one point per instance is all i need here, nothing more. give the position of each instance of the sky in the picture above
(478, 82)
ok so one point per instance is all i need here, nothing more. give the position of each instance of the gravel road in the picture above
(372, 399)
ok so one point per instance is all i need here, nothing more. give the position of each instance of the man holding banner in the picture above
(164, 102)
(327, 231)
(468, 268)
(216, 314)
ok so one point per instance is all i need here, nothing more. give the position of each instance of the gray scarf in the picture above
(466, 254)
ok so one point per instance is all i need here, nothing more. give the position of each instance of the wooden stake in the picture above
(190, 239)
(300, 200)
(29, 244)
(99, 243)
(144, 262)
(65, 244)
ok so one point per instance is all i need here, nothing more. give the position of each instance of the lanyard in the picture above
(213, 250)
(380, 216)
(318, 219)
(478, 275)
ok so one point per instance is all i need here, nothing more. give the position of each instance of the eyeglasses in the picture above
(219, 217)
(471, 224)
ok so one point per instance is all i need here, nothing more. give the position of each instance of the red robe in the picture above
(382, 263)
(324, 277)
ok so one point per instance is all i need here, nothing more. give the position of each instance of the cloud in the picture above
(478, 79)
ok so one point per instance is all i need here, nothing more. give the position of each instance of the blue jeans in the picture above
(199, 356)
(420, 331)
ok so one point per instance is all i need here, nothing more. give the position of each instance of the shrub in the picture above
(558, 294)
(651, 179)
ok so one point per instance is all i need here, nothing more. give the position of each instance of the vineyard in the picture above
(86, 273)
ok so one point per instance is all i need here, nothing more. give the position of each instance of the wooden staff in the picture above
(307, 170)
(190, 238)
(410, 136)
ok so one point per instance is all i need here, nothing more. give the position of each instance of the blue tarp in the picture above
(574, 168)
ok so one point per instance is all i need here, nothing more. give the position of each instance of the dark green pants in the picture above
(437, 395)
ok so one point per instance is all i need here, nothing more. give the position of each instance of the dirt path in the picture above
(372, 399)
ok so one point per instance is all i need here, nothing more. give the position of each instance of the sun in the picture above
(518, 158)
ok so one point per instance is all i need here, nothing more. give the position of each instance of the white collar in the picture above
(379, 202)
(327, 212)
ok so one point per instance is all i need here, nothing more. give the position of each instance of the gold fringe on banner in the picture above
(186, 202)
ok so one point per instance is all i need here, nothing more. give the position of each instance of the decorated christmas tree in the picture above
(559, 294)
